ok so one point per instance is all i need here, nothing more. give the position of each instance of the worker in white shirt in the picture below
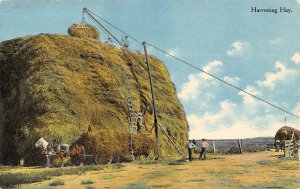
(204, 145)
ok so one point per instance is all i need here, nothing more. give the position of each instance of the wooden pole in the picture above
(240, 146)
(158, 154)
(170, 139)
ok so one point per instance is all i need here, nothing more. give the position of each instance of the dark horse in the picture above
(74, 151)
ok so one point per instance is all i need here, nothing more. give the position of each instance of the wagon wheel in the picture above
(101, 159)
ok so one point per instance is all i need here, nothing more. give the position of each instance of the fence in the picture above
(239, 145)
(291, 148)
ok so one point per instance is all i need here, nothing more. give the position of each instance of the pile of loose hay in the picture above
(83, 31)
(286, 132)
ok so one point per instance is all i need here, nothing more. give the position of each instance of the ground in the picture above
(248, 170)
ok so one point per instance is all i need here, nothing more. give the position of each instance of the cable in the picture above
(85, 9)
(183, 61)
(106, 30)
(219, 79)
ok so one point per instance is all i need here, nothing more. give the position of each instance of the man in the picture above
(139, 121)
(190, 146)
(125, 41)
(204, 145)
(277, 145)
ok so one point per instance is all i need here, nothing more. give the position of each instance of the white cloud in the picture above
(238, 49)
(283, 74)
(219, 117)
(174, 52)
(275, 41)
(226, 123)
(232, 80)
(199, 81)
(189, 89)
(249, 100)
(296, 57)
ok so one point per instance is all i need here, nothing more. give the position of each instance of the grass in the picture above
(89, 187)
(161, 185)
(283, 164)
(138, 185)
(87, 181)
(12, 179)
(160, 173)
(195, 180)
(57, 183)
(108, 177)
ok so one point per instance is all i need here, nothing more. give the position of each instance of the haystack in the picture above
(83, 31)
(286, 132)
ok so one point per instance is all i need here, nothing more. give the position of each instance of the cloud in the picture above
(189, 89)
(174, 52)
(231, 80)
(283, 74)
(221, 116)
(226, 123)
(276, 41)
(199, 81)
(296, 57)
(238, 49)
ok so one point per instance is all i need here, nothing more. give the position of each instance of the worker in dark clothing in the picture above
(190, 146)
(139, 121)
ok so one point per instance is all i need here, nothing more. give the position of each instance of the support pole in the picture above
(170, 139)
(158, 154)
(240, 146)
(214, 146)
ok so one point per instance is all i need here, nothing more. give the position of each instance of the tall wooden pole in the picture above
(158, 154)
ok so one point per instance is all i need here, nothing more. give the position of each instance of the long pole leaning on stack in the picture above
(158, 153)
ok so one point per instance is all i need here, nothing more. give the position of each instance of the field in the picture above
(248, 170)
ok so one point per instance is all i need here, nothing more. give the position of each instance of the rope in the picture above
(191, 65)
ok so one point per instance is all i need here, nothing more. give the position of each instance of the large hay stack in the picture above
(56, 86)
(83, 31)
(286, 132)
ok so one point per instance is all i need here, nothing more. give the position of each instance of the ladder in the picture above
(132, 125)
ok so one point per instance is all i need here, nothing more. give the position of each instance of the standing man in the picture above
(125, 41)
(190, 146)
(139, 121)
(204, 145)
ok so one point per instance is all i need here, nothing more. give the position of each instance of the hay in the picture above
(62, 92)
(83, 31)
(286, 132)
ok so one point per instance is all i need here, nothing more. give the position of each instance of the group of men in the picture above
(191, 146)
(124, 41)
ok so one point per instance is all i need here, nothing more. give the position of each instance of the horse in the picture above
(73, 151)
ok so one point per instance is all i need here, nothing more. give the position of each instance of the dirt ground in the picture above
(249, 170)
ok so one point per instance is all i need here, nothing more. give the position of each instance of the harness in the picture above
(67, 146)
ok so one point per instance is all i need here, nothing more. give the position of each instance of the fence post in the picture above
(240, 146)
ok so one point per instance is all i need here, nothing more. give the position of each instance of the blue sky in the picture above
(258, 52)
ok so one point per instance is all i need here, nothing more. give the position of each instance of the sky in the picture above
(258, 52)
